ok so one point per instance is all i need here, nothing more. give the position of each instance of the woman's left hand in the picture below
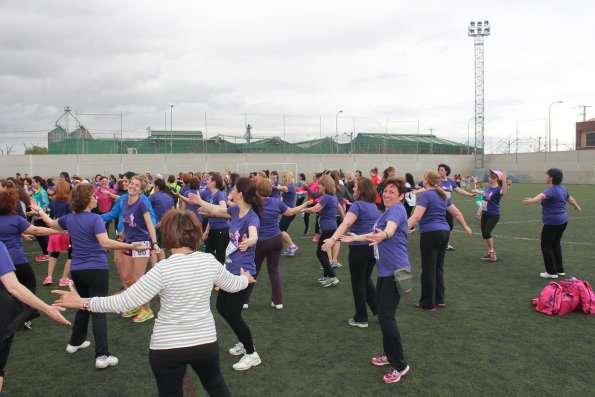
(468, 230)
(377, 237)
(245, 244)
(69, 299)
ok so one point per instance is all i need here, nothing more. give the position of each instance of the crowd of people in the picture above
(242, 221)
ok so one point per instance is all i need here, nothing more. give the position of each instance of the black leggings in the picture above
(42, 240)
(57, 254)
(229, 305)
(488, 223)
(361, 265)
(323, 256)
(217, 243)
(551, 235)
(169, 367)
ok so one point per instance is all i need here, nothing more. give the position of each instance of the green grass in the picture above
(489, 340)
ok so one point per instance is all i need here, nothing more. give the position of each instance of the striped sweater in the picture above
(184, 283)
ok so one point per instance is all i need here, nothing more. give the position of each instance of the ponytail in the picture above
(433, 180)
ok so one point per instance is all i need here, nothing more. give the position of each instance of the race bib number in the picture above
(143, 254)
(484, 205)
(376, 254)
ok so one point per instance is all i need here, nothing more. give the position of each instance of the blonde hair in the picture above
(143, 181)
(328, 183)
(433, 180)
(287, 177)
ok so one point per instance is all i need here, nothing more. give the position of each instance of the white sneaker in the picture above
(278, 307)
(73, 349)
(547, 275)
(322, 279)
(105, 361)
(245, 306)
(238, 349)
(247, 362)
(330, 281)
(561, 274)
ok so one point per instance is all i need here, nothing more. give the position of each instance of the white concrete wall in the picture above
(578, 166)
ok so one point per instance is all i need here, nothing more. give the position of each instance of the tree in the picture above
(34, 149)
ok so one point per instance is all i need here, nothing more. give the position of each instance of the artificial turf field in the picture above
(488, 340)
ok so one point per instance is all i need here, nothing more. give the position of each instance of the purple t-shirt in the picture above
(276, 193)
(367, 214)
(135, 227)
(11, 227)
(161, 203)
(202, 185)
(83, 228)
(434, 217)
(392, 253)
(218, 223)
(328, 214)
(448, 186)
(59, 208)
(289, 196)
(491, 200)
(6, 265)
(237, 229)
(553, 208)
(269, 221)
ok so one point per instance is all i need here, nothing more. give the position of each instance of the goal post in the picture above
(245, 168)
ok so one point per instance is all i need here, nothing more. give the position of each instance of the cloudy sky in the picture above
(288, 67)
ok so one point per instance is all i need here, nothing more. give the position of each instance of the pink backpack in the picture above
(565, 297)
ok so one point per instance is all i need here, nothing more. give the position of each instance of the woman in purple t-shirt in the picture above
(555, 219)
(216, 235)
(389, 237)
(89, 267)
(138, 227)
(432, 206)
(490, 210)
(360, 219)
(240, 255)
(328, 206)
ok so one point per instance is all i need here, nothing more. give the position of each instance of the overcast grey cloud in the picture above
(256, 61)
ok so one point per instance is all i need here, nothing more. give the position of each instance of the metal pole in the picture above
(337, 128)
(121, 155)
(171, 129)
(550, 125)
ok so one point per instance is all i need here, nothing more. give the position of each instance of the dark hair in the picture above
(50, 182)
(129, 175)
(80, 196)
(374, 170)
(387, 171)
(335, 175)
(248, 189)
(302, 176)
(218, 179)
(274, 173)
(179, 229)
(66, 175)
(446, 168)
(556, 175)
(160, 183)
(366, 189)
(399, 183)
(193, 183)
(233, 178)
(358, 172)
(8, 202)
(171, 179)
(409, 179)
(41, 181)
(120, 186)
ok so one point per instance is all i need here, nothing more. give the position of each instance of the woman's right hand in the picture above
(54, 312)
(348, 238)
(328, 243)
(250, 278)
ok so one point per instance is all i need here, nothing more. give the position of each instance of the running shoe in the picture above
(394, 376)
(450, 248)
(106, 361)
(322, 279)
(379, 360)
(284, 252)
(547, 275)
(486, 257)
(238, 349)
(65, 282)
(418, 307)
(330, 282)
(144, 315)
(73, 349)
(132, 313)
(315, 238)
(247, 361)
(359, 324)
(48, 280)
(42, 258)
(292, 250)
(278, 307)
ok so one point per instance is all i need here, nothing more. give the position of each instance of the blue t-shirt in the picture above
(161, 202)
(11, 227)
(392, 253)
(328, 214)
(269, 220)
(553, 208)
(135, 227)
(6, 264)
(218, 223)
(59, 208)
(289, 196)
(276, 193)
(83, 228)
(237, 229)
(491, 200)
(367, 214)
(448, 186)
(434, 217)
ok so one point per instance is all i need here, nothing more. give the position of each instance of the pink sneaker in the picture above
(47, 281)
(380, 360)
(394, 376)
(65, 282)
(42, 258)
(315, 238)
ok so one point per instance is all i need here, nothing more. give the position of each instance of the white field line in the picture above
(528, 238)
(539, 220)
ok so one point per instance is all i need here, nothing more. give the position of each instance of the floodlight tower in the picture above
(478, 30)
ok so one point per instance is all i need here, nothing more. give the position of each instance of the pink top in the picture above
(104, 201)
